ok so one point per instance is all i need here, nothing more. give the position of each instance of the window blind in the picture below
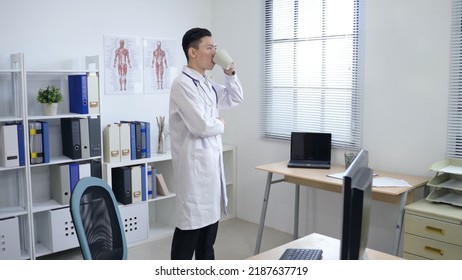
(313, 69)
(454, 137)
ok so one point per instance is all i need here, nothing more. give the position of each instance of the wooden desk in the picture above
(330, 247)
(317, 178)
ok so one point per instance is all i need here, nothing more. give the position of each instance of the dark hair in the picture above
(192, 38)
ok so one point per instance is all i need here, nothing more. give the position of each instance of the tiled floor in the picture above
(235, 241)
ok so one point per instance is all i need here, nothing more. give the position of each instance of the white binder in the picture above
(84, 138)
(111, 142)
(60, 183)
(136, 183)
(125, 152)
(9, 150)
(84, 170)
(93, 93)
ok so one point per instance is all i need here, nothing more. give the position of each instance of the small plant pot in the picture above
(50, 109)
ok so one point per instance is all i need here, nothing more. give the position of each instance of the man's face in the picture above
(205, 53)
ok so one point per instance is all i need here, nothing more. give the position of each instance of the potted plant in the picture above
(50, 97)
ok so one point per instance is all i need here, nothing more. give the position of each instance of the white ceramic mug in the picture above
(223, 59)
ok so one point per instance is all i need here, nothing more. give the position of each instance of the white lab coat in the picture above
(195, 135)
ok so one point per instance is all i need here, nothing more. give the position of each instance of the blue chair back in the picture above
(97, 220)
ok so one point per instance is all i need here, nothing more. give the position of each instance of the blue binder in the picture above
(143, 182)
(148, 139)
(21, 147)
(78, 94)
(144, 150)
(45, 142)
(73, 175)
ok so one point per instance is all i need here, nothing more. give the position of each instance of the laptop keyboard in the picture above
(308, 165)
(301, 254)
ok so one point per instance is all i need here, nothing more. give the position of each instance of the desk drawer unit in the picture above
(432, 231)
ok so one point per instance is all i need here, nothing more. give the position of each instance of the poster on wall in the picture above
(159, 64)
(123, 68)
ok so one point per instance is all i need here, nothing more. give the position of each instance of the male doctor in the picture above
(195, 134)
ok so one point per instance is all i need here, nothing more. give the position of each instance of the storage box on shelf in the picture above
(432, 231)
(27, 190)
(10, 247)
(160, 210)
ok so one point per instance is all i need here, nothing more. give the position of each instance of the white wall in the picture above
(406, 85)
(405, 108)
(56, 34)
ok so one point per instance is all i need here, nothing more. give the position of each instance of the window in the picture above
(454, 138)
(313, 69)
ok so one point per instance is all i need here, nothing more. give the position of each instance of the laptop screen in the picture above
(310, 146)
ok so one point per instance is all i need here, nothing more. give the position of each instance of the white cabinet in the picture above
(432, 231)
(160, 211)
(26, 192)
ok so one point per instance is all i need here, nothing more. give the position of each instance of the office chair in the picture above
(97, 221)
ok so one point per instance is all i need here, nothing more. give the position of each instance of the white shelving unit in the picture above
(160, 212)
(15, 192)
(44, 224)
(32, 223)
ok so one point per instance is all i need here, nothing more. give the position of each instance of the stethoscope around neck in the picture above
(197, 83)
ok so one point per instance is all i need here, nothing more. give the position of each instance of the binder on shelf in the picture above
(144, 149)
(78, 94)
(45, 141)
(96, 169)
(60, 183)
(35, 142)
(93, 93)
(121, 184)
(143, 183)
(136, 183)
(145, 139)
(85, 137)
(161, 185)
(111, 143)
(132, 139)
(124, 134)
(154, 183)
(74, 174)
(149, 181)
(70, 135)
(94, 128)
(148, 139)
(21, 145)
(84, 170)
(9, 147)
(138, 139)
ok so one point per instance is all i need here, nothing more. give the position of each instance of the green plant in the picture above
(49, 95)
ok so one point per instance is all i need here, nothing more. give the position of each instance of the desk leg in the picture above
(263, 212)
(399, 223)
(296, 210)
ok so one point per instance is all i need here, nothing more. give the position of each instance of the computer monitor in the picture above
(357, 189)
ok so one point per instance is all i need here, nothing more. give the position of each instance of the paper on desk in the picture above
(337, 175)
(340, 175)
(389, 182)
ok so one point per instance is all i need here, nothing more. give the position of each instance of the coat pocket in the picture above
(204, 165)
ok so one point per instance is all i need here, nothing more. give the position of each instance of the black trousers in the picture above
(197, 242)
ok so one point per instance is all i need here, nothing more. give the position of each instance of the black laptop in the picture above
(310, 150)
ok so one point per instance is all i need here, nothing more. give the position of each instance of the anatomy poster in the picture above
(159, 65)
(123, 58)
